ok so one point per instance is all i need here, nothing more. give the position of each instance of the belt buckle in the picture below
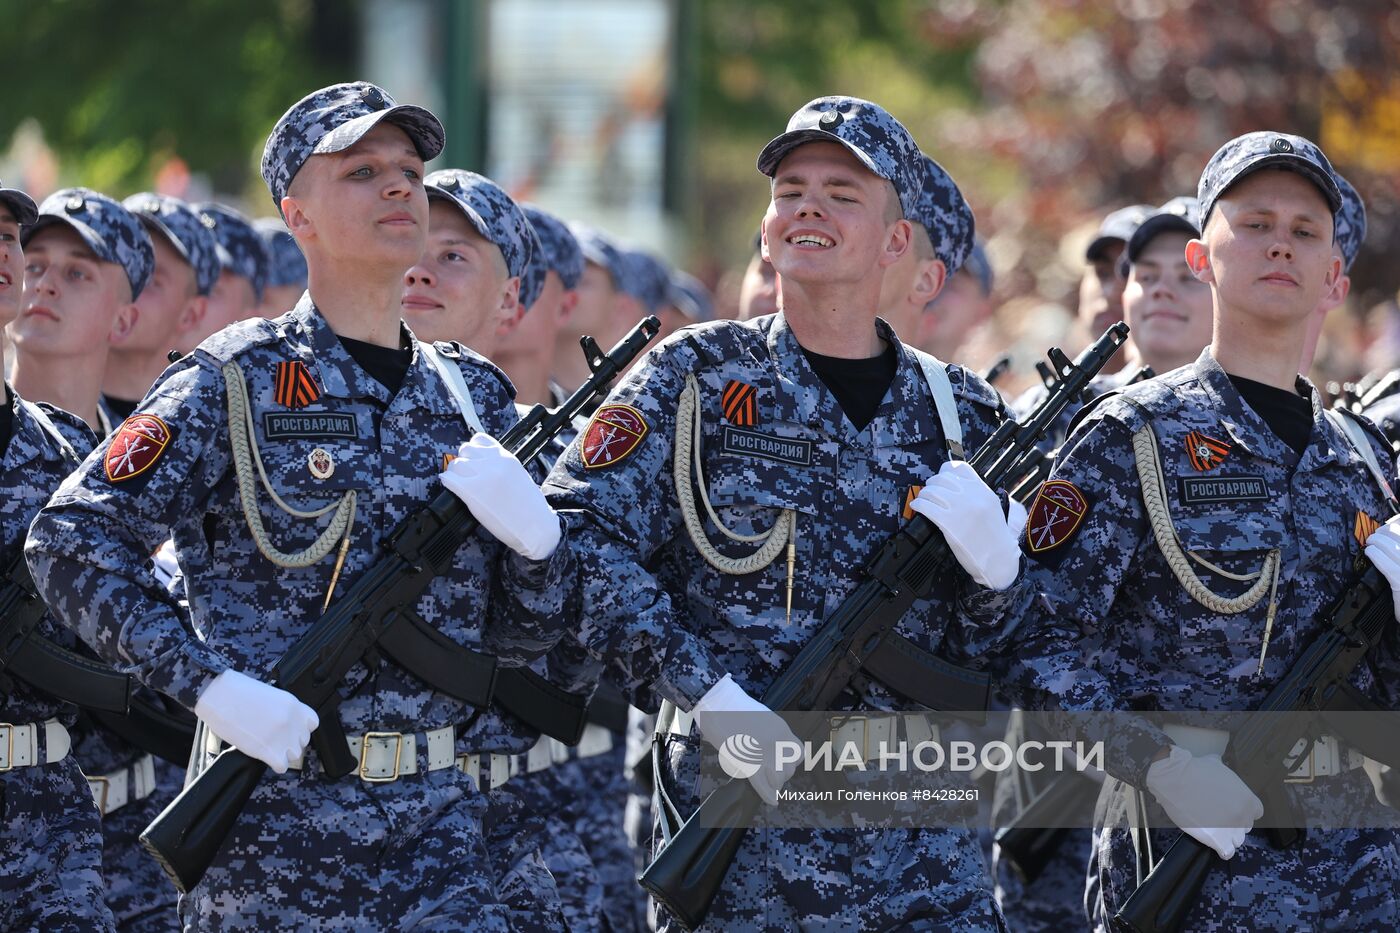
(9, 743)
(99, 796)
(1312, 770)
(364, 752)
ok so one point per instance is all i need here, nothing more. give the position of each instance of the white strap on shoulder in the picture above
(455, 384)
(936, 375)
(45, 422)
(1357, 435)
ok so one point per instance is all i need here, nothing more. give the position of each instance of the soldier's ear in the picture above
(510, 311)
(932, 276)
(1198, 259)
(298, 224)
(899, 242)
(123, 323)
(567, 304)
(192, 314)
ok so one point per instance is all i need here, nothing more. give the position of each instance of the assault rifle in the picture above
(691, 864)
(26, 655)
(374, 614)
(1315, 687)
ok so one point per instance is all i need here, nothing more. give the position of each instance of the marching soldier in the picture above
(1194, 530)
(279, 455)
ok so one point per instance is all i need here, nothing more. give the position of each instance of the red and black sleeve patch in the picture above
(294, 387)
(1056, 514)
(615, 432)
(740, 404)
(1205, 452)
(135, 447)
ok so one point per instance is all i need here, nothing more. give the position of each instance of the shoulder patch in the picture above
(1056, 514)
(613, 434)
(135, 447)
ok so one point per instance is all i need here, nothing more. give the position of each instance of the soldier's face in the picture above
(1268, 247)
(71, 298)
(11, 266)
(946, 322)
(363, 208)
(539, 325)
(596, 296)
(758, 292)
(1167, 308)
(460, 289)
(828, 223)
(1101, 291)
(231, 300)
(163, 300)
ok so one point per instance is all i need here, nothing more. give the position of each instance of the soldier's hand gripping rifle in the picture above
(691, 865)
(375, 613)
(1316, 686)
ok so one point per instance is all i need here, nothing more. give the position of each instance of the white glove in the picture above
(1205, 799)
(165, 567)
(503, 497)
(726, 714)
(969, 514)
(1383, 548)
(258, 719)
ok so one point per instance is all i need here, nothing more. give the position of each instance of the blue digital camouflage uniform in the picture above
(1113, 629)
(50, 838)
(306, 851)
(666, 622)
(285, 263)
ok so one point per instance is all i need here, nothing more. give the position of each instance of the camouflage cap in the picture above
(20, 204)
(944, 213)
(241, 249)
(1350, 226)
(690, 296)
(285, 263)
(558, 245)
(878, 140)
(1265, 149)
(334, 118)
(110, 230)
(1117, 227)
(187, 232)
(646, 278)
(601, 250)
(497, 217)
(979, 266)
(1182, 214)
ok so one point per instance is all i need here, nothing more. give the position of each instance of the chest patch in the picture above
(1201, 490)
(286, 425)
(1204, 451)
(740, 404)
(792, 450)
(294, 388)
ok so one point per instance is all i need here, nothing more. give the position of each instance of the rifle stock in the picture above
(689, 868)
(188, 834)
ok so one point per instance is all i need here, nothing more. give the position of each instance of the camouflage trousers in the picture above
(50, 851)
(603, 792)
(1335, 879)
(841, 879)
(311, 853)
(529, 809)
(1055, 900)
(139, 894)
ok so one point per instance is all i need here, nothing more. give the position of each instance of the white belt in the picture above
(123, 786)
(19, 744)
(1328, 755)
(385, 756)
(497, 769)
(868, 732)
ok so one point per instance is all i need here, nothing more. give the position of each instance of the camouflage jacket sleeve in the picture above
(1086, 530)
(620, 513)
(89, 547)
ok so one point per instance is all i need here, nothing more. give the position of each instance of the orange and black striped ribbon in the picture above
(1204, 451)
(740, 404)
(294, 387)
(1365, 527)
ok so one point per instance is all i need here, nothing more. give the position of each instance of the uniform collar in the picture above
(1326, 444)
(339, 375)
(803, 397)
(29, 441)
